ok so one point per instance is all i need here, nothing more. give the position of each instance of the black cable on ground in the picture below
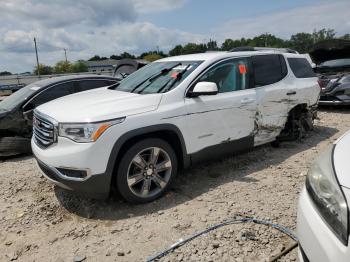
(238, 220)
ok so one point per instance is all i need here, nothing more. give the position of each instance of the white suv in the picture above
(134, 136)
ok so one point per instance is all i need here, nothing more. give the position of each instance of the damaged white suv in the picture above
(136, 135)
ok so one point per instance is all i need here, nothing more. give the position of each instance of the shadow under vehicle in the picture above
(332, 58)
(16, 110)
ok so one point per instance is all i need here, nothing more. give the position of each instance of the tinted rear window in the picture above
(301, 68)
(269, 69)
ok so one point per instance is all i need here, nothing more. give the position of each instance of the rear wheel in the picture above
(146, 170)
(300, 121)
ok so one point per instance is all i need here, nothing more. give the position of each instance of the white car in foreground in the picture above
(323, 215)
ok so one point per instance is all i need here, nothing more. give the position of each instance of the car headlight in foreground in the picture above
(86, 132)
(327, 195)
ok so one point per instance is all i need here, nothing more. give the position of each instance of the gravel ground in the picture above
(42, 223)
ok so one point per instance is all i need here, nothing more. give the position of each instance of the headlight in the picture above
(86, 132)
(323, 188)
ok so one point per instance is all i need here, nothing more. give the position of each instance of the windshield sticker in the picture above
(35, 88)
(182, 67)
(175, 74)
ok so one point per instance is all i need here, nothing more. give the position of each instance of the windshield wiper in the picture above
(153, 77)
(178, 77)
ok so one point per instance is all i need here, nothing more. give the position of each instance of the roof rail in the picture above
(251, 48)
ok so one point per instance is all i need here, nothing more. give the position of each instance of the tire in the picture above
(138, 178)
(10, 146)
(300, 121)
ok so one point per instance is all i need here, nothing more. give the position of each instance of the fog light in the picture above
(73, 173)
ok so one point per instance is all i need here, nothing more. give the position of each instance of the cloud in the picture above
(52, 13)
(154, 6)
(330, 14)
(20, 41)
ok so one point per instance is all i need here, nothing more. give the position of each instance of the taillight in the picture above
(320, 83)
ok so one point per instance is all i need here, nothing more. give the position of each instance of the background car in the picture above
(337, 89)
(332, 58)
(323, 213)
(16, 110)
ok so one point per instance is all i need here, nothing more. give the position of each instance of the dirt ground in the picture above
(42, 223)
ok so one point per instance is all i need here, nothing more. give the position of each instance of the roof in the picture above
(222, 54)
(56, 79)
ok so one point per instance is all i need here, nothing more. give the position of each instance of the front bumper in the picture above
(317, 241)
(67, 155)
(334, 102)
(334, 99)
(94, 186)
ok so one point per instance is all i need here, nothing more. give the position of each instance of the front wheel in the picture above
(146, 170)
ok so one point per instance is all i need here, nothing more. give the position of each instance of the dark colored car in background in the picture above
(16, 110)
(332, 58)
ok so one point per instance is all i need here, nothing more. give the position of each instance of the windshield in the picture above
(157, 77)
(336, 63)
(18, 97)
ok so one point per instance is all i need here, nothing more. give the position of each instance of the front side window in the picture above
(229, 75)
(49, 94)
(157, 77)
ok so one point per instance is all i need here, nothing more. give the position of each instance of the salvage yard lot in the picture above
(39, 221)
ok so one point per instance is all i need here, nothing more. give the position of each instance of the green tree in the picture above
(43, 70)
(156, 54)
(97, 58)
(267, 40)
(5, 73)
(79, 67)
(323, 34)
(63, 67)
(152, 57)
(177, 50)
(346, 37)
(127, 55)
(192, 48)
(302, 42)
(115, 57)
(212, 45)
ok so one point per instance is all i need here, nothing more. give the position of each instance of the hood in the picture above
(330, 50)
(341, 160)
(98, 105)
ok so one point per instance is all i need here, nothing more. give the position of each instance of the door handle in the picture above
(291, 93)
(247, 101)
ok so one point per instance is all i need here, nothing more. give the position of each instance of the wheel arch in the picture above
(168, 132)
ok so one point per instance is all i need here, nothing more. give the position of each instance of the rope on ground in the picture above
(235, 220)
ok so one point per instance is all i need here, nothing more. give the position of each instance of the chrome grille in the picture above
(43, 131)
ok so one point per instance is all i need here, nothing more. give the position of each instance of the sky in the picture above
(106, 27)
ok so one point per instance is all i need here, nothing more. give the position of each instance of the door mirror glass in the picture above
(204, 89)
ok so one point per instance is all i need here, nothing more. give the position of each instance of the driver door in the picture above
(219, 124)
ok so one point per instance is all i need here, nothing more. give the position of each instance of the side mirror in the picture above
(204, 89)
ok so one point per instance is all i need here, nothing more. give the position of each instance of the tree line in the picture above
(301, 42)
(61, 67)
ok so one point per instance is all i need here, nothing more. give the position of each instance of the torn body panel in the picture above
(272, 110)
(13, 123)
(15, 133)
